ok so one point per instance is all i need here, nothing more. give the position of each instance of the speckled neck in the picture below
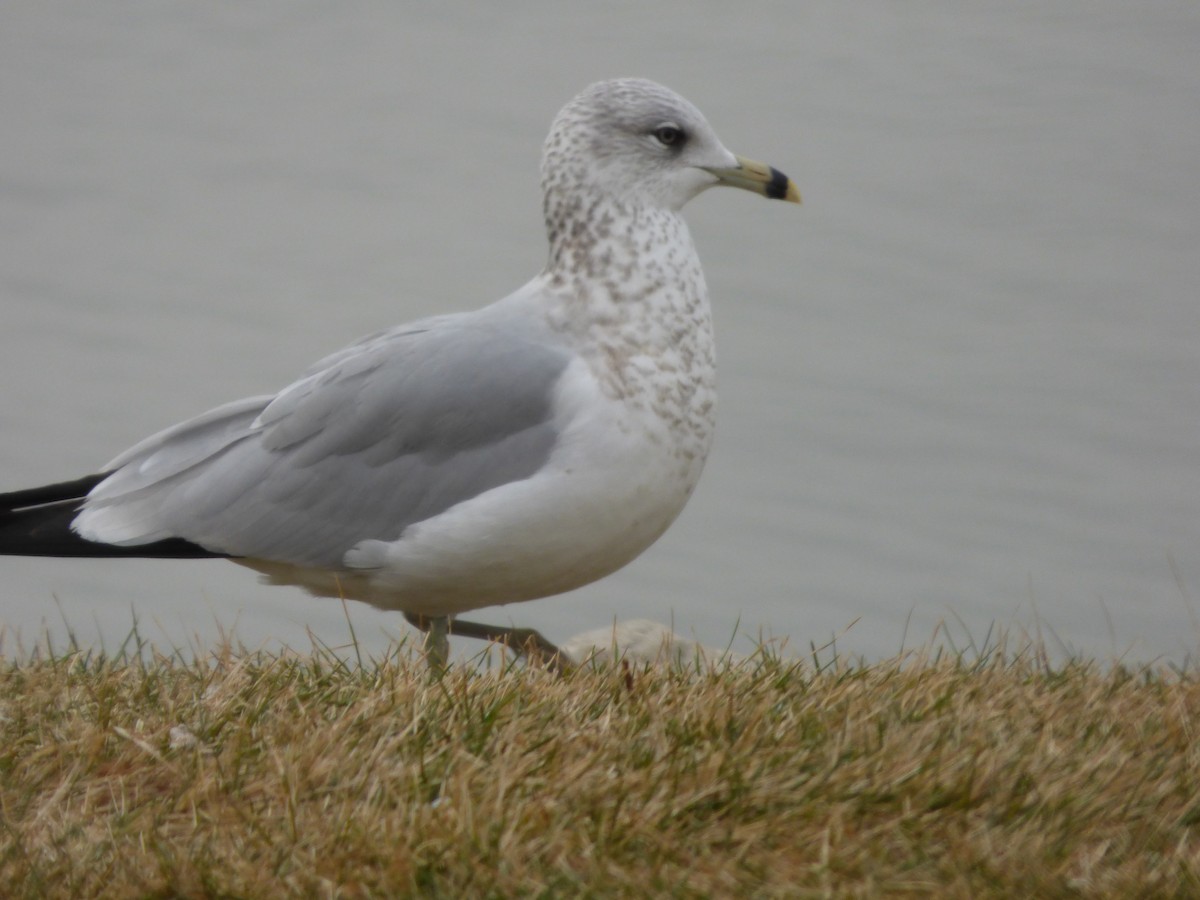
(630, 291)
(618, 264)
(623, 280)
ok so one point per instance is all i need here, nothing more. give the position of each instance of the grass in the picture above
(279, 775)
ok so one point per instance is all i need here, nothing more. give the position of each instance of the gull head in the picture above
(642, 145)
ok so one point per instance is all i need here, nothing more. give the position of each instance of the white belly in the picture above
(618, 477)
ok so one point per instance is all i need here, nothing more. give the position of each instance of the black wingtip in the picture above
(15, 502)
(37, 522)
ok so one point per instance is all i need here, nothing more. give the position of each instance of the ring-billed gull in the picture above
(466, 460)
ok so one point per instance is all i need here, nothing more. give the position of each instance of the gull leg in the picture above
(526, 642)
(437, 642)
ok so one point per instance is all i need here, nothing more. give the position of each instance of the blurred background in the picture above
(959, 385)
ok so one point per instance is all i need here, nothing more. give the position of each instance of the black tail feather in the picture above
(37, 522)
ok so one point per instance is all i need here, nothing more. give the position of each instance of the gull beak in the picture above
(758, 177)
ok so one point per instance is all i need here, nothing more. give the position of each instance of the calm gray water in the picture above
(961, 383)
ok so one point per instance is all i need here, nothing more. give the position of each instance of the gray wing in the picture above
(384, 434)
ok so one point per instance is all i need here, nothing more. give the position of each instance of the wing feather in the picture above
(387, 433)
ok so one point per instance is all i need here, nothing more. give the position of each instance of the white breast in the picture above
(617, 479)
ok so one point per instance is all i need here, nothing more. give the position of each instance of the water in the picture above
(960, 383)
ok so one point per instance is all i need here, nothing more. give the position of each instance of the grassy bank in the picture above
(269, 776)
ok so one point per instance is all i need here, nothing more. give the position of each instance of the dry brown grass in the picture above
(302, 776)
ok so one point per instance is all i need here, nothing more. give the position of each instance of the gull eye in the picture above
(669, 135)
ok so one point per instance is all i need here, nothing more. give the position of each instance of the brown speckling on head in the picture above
(622, 265)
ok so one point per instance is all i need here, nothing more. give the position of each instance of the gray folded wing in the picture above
(384, 434)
